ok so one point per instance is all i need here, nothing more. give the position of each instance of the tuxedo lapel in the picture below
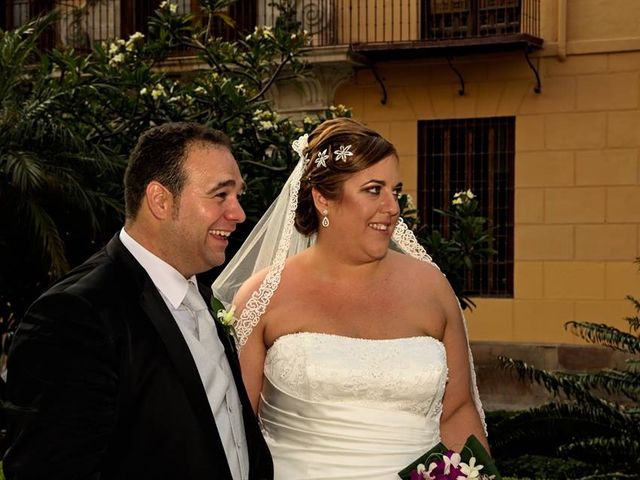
(157, 313)
(177, 348)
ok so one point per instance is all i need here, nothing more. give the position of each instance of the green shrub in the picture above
(593, 425)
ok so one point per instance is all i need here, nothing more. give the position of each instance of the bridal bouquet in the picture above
(440, 463)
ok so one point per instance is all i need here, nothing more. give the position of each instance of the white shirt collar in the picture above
(171, 284)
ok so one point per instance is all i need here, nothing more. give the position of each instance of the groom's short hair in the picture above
(160, 154)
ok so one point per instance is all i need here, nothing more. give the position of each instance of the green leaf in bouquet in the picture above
(405, 473)
(473, 448)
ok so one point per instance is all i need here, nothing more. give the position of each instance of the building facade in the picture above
(570, 127)
(533, 104)
(575, 178)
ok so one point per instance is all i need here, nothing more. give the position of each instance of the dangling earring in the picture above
(325, 219)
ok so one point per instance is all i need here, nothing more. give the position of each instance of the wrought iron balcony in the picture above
(376, 28)
(369, 25)
(85, 22)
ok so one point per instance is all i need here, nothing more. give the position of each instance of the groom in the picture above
(118, 371)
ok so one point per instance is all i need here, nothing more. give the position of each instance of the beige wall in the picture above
(577, 166)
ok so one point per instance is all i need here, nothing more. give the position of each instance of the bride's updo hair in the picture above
(329, 138)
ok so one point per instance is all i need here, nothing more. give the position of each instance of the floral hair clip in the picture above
(343, 152)
(321, 158)
(300, 145)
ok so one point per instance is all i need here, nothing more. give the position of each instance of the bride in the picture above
(354, 354)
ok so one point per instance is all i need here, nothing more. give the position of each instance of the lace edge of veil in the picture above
(259, 300)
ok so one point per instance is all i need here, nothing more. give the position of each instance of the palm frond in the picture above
(17, 48)
(623, 448)
(635, 301)
(611, 381)
(44, 131)
(542, 430)
(634, 322)
(615, 382)
(23, 171)
(87, 200)
(611, 476)
(46, 236)
(605, 416)
(581, 386)
(606, 335)
(590, 420)
(556, 383)
(96, 160)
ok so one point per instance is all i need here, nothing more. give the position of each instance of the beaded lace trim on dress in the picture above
(402, 374)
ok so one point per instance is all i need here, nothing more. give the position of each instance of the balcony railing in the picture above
(84, 22)
(365, 24)
(348, 22)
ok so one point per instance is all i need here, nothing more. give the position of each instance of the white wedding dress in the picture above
(335, 407)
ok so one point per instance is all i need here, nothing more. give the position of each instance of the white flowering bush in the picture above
(463, 198)
(70, 119)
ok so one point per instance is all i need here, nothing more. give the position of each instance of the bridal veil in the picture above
(274, 239)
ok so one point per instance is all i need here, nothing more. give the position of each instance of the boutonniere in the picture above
(224, 317)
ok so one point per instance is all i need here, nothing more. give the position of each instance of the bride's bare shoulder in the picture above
(410, 265)
(425, 277)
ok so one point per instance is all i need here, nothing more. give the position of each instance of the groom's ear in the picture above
(159, 200)
(320, 202)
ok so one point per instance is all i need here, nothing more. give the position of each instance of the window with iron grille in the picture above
(473, 18)
(475, 153)
(16, 13)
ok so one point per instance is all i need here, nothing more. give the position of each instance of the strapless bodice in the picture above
(340, 407)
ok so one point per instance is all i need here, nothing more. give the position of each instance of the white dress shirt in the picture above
(210, 359)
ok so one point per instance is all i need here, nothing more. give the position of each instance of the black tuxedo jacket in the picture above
(102, 385)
